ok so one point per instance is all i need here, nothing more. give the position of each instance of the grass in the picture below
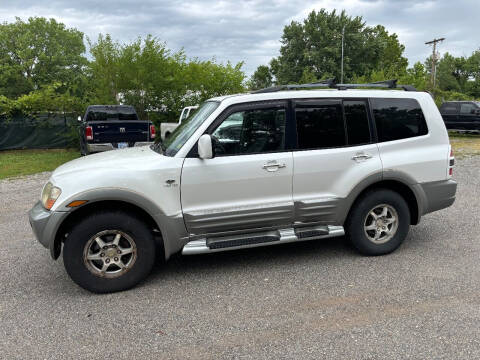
(24, 162)
(465, 145)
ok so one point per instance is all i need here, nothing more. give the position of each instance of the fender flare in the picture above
(378, 178)
(170, 227)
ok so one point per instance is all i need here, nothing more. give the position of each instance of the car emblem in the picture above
(122, 130)
(170, 183)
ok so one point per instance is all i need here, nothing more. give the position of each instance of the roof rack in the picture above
(330, 83)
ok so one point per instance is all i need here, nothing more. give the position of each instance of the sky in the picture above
(250, 31)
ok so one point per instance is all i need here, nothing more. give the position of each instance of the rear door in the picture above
(335, 152)
(247, 186)
(449, 113)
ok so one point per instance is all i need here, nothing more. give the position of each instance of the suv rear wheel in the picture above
(378, 222)
(109, 251)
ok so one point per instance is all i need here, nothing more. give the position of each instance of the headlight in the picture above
(50, 194)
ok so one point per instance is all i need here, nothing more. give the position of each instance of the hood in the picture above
(130, 158)
(140, 171)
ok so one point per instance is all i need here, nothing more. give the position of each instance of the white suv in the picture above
(252, 170)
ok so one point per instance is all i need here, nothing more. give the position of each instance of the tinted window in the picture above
(320, 126)
(111, 113)
(250, 132)
(398, 119)
(467, 109)
(449, 109)
(356, 117)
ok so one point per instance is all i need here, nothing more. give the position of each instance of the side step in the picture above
(282, 236)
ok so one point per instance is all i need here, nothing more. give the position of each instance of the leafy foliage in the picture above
(312, 50)
(43, 69)
(37, 53)
(459, 74)
(261, 78)
(147, 75)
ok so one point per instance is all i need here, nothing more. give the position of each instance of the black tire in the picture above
(75, 244)
(359, 215)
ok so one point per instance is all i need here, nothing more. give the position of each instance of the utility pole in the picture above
(434, 59)
(343, 36)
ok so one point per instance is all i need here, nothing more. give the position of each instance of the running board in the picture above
(244, 241)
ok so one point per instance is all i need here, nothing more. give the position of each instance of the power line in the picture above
(434, 59)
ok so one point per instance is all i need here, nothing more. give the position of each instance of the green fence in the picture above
(42, 132)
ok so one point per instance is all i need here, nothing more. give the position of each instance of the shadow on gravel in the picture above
(260, 257)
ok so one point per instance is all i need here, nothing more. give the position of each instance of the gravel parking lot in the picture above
(312, 300)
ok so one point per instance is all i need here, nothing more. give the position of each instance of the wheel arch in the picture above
(105, 205)
(411, 193)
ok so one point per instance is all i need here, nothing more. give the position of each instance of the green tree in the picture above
(315, 45)
(147, 75)
(452, 73)
(38, 53)
(416, 76)
(261, 78)
(104, 69)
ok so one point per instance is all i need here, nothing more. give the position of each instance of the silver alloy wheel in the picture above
(381, 224)
(110, 253)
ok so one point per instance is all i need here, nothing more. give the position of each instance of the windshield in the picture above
(182, 133)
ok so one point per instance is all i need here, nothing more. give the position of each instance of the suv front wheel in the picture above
(109, 251)
(378, 222)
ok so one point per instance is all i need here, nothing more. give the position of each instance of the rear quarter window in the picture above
(398, 119)
(449, 109)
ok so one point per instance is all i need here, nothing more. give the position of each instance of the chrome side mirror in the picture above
(205, 149)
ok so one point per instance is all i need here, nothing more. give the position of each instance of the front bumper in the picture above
(109, 146)
(439, 194)
(45, 224)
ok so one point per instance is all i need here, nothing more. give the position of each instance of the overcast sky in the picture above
(250, 31)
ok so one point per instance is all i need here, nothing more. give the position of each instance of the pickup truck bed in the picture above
(108, 127)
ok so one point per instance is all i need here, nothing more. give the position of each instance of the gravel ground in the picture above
(299, 301)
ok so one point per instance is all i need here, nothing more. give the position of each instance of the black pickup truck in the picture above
(108, 127)
(463, 116)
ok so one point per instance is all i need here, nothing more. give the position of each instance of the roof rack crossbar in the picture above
(330, 83)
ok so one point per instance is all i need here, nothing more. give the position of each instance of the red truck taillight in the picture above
(89, 133)
(152, 131)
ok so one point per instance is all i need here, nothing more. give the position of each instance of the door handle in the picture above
(273, 166)
(361, 156)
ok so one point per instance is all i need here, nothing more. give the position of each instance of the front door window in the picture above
(251, 132)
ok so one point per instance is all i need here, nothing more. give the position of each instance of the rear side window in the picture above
(398, 119)
(320, 126)
(449, 109)
(356, 118)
